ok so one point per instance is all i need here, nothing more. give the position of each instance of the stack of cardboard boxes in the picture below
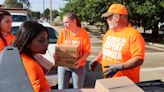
(119, 84)
(67, 55)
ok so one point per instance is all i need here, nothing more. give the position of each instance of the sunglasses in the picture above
(110, 16)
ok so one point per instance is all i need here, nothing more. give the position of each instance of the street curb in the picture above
(155, 44)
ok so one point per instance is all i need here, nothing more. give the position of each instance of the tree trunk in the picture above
(155, 33)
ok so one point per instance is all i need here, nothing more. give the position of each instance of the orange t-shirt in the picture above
(35, 74)
(9, 38)
(119, 47)
(82, 39)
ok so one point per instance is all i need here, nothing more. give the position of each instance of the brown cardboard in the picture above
(87, 90)
(68, 48)
(119, 84)
(46, 64)
(65, 63)
(76, 90)
(133, 88)
(67, 55)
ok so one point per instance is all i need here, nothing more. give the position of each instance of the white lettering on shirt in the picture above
(112, 47)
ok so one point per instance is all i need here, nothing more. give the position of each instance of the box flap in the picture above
(76, 90)
(133, 88)
(115, 82)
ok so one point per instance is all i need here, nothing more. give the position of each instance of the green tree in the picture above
(88, 10)
(17, 3)
(26, 3)
(145, 13)
(36, 15)
(13, 4)
(55, 13)
(46, 13)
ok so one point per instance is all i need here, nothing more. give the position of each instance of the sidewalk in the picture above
(155, 44)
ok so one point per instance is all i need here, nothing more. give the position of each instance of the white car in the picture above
(161, 26)
(19, 17)
(52, 74)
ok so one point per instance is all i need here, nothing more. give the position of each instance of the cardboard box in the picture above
(119, 84)
(87, 90)
(67, 55)
(46, 64)
(76, 90)
(66, 62)
(72, 51)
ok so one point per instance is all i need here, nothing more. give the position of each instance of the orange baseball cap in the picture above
(116, 9)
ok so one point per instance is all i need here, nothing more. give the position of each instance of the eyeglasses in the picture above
(110, 16)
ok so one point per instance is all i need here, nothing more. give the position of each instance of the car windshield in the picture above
(51, 32)
(52, 35)
(19, 18)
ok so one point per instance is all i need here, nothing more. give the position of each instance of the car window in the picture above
(52, 35)
(14, 30)
(51, 32)
(19, 18)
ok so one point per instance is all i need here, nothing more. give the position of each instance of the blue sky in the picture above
(37, 5)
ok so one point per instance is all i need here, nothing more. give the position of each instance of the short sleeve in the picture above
(137, 45)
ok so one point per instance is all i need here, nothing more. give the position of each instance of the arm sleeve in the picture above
(60, 37)
(86, 44)
(137, 45)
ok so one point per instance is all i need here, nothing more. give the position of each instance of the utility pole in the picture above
(43, 10)
(50, 11)
(122, 1)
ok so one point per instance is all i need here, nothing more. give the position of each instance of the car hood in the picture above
(50, 53)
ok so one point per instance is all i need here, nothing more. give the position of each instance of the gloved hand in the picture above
(92, 65)
(112, 69)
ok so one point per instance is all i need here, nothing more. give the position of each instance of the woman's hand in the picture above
(77, 64)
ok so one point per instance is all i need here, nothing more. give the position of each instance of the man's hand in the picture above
(112, 69)
(92, 65)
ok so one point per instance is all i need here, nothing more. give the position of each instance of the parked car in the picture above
(52, 74)
(161, 26)
(19, 17)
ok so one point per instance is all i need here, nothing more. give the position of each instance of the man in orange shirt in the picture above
(122, 46)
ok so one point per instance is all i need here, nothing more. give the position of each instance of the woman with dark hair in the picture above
(5, 27)
(32, 39)
(73, 34)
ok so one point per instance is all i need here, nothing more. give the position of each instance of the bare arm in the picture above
(99, 57)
